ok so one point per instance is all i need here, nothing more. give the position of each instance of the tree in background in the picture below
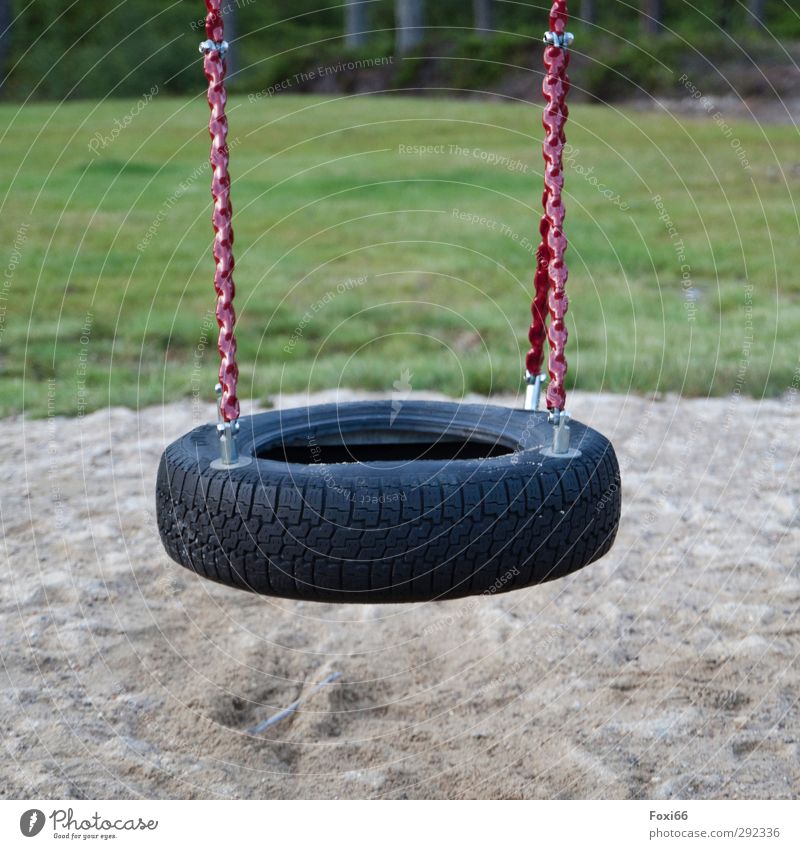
(274, 40)
(756, 9)
(482, 10)
(651, 16)
(725, 17)
(355, 23)
(409, 24)
(5, 36)
(229, 20)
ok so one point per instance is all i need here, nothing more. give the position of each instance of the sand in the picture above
(668, 669)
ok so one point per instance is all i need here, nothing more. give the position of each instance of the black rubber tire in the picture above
(382, 530)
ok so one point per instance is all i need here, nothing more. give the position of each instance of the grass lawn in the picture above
(360, 258)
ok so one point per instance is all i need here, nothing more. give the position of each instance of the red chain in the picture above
(214, 67)
(551, 270)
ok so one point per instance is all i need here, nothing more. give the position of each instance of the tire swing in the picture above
(360, 502)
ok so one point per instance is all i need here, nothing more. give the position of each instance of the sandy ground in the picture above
(668, 669)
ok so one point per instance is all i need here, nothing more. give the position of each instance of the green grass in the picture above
(322, 195)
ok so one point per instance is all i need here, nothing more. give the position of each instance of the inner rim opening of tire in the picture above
(365, 442)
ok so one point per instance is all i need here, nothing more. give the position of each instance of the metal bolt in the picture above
(220, 46)
(533, 391)
(560, 420)
(558, 40)
(228, 450)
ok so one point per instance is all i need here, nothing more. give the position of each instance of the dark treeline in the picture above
(50, 49)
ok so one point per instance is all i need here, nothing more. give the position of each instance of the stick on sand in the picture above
(276, 718)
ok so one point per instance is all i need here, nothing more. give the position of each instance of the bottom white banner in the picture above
(390, 824)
